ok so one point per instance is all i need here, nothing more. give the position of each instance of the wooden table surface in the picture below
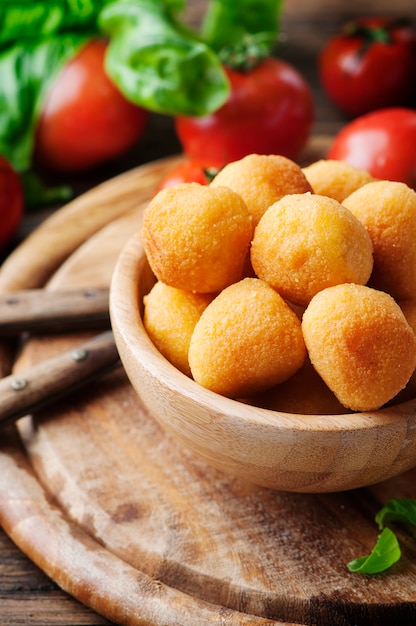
(27, 595)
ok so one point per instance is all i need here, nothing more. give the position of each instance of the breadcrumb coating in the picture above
(196, 237)
(170, 315)
(248, 339)
(306, 242)
(360, 343)
(335, 179)
(388, 211)
(261, 180)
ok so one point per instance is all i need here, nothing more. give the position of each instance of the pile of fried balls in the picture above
(285, 287)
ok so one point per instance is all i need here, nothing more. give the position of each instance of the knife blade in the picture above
(39, 310)
(45, 383)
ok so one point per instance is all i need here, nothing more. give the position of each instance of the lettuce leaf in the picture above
(26, 72)
(34, 19)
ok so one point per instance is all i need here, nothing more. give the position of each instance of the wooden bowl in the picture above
(285, 451)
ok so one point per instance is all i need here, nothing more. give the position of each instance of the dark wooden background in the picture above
(27, 596)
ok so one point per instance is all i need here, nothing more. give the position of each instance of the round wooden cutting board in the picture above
(134, 526)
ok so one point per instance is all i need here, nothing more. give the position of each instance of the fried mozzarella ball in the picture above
(261, 179)
(307, 242)
(360, 343)
(409, 310)
(335, 179)
(388, 211)
(170, 315)
(247, 340)
(303, 393)
(197, 237)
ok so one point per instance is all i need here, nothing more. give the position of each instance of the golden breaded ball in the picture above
(196, 237)
(409, 310)
(388, 210)
(307, 242)
(261, 179)
(247, 340)
(360, 343)
(335, 179)
(303, 393)
(170, 315)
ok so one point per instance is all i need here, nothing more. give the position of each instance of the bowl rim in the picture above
(125, 315)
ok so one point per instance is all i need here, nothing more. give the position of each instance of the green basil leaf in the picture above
(29, 19)
(159, 64)
(397, 510)
(26, 72)
(227, 25)
(385, 553)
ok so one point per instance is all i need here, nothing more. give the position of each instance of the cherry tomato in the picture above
(85, 119)
(382, 142)
(11, 202)
(189, 172)
(270, 111)
(370, 65)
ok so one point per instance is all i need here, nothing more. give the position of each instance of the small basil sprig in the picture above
(387, 551)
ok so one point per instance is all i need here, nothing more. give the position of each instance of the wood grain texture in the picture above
(129, 523)
(328, 9)
(28, 595)
(66, 309)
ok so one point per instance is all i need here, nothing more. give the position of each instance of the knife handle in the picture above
(47, 382)
(53, 311)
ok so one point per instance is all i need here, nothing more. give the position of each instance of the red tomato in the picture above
(85, 119)
(11, 202)
(269, 111)
(188, 172)
(382, 142)
(370, 65)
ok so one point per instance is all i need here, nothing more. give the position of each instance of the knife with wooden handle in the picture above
(38, 310)
(45, 383)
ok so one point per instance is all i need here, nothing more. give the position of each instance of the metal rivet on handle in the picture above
(80, 355)
(18, 383)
